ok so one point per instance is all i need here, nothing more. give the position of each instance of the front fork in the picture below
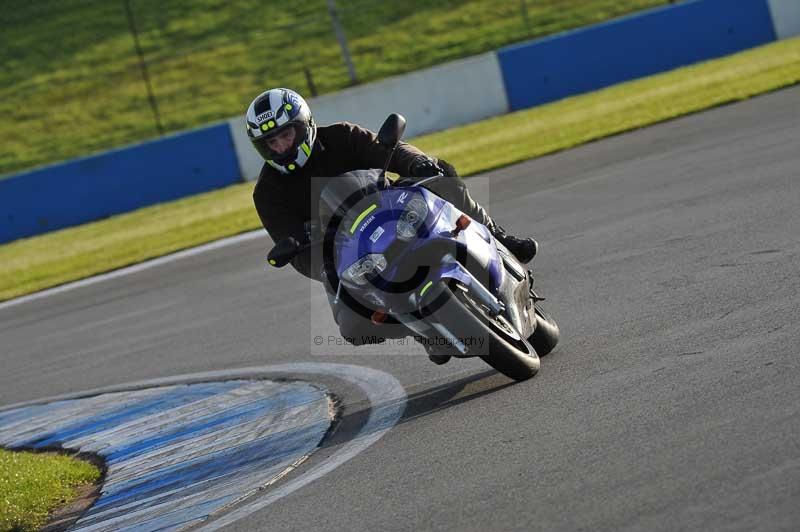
(475, 289)
(452, 269)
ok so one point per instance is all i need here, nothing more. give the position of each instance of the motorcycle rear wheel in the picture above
(508, 352)
(545, 337)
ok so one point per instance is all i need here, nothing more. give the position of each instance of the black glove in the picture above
(283, 252)
(447, 168)
(429, 167)
(426, 167)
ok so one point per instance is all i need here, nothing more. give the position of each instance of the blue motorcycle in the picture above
(401, 256)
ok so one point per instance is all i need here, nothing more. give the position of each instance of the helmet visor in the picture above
(281, 145)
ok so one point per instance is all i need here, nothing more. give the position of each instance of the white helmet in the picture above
(271, 113)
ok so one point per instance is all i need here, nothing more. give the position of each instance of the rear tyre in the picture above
(545, 336)
(508, 352)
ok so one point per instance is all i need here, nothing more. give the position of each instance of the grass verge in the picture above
(44, 261)
(34, 484)
(71, 65)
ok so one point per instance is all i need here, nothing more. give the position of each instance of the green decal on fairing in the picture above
(361, 217)
(425, 288)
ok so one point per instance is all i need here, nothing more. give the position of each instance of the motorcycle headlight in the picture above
(413, 217)
(364, 268)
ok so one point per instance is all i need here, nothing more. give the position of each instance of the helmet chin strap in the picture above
(303, 152)
(276, 166)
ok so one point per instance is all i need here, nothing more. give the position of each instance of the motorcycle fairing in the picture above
(371, 227)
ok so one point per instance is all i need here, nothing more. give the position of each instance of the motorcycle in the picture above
(401, 255)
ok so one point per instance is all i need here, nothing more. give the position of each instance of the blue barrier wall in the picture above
(631, 47)
(95, 187)
(531, 74)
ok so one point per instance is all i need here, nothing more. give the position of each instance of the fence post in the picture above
(525, 19)
(143, 67)
(342, 38)
(310, 81)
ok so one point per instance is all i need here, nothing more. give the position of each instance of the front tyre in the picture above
(508, 352)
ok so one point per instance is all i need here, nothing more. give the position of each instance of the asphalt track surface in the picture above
(670, 258)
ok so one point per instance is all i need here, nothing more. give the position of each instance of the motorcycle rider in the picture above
(281, 128)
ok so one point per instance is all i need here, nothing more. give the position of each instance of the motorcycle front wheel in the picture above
(503, 347)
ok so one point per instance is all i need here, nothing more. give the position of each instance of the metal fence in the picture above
(84, 75)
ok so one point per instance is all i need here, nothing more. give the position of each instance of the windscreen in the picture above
(347, 196)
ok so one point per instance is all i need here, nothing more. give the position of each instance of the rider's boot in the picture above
(439, 359)
(454, 190)
(524, 249)
(432, 355)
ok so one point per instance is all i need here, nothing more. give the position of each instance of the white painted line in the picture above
(388, 400)
(136, 268)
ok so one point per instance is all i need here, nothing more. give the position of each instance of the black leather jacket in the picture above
(286, 201)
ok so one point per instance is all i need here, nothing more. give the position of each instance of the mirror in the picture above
(283, 252)
(392, 130)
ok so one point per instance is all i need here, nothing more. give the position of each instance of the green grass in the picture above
(71, 82)
(54, 258)
(34, 484)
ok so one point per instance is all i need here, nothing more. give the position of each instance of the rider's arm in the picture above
(367, 153)
(277, 218)
(281, 221)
